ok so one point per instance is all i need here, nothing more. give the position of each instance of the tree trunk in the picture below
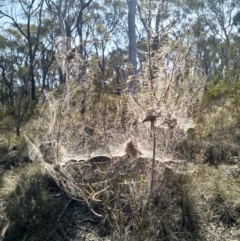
(19, 106)
(33, 88)
(132, 4)
(155, 44)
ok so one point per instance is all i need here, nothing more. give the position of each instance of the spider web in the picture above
(111, 122)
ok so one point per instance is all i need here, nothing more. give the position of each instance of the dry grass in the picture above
(27, 198)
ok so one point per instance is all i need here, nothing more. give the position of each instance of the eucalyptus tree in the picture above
(152, 15)
(235, 57)
(214, 20)
(104, 32)
(63, 11)
(132, 5)
(81, 10)
(14, 65)
(46, 60)
(14, 68)
(7, 69)
(157, 24)
(118, 62)
(30, 12)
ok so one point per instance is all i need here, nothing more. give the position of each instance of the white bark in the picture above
(61, 20)
(132, 4)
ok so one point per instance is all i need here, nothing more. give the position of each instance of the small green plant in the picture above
(224, 202)
(7, 123)
(6, 110)
(184, 186)
(18, 143)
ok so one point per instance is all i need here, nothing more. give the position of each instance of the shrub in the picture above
(32, 210)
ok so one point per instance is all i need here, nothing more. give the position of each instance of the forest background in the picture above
(83, 65)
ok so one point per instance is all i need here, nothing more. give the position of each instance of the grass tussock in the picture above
(31, 204)
(218, 202)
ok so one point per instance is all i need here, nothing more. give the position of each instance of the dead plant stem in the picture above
(151, 182)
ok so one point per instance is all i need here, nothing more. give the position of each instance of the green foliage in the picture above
(220, 90)
(225, 198)
(28, 106)
(5, 111)
(31, 208)
(19, 143)
(14, 33)
(218, 124)
(7, 123)
(208, 131)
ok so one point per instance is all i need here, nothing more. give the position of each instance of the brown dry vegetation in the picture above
(180, 183)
